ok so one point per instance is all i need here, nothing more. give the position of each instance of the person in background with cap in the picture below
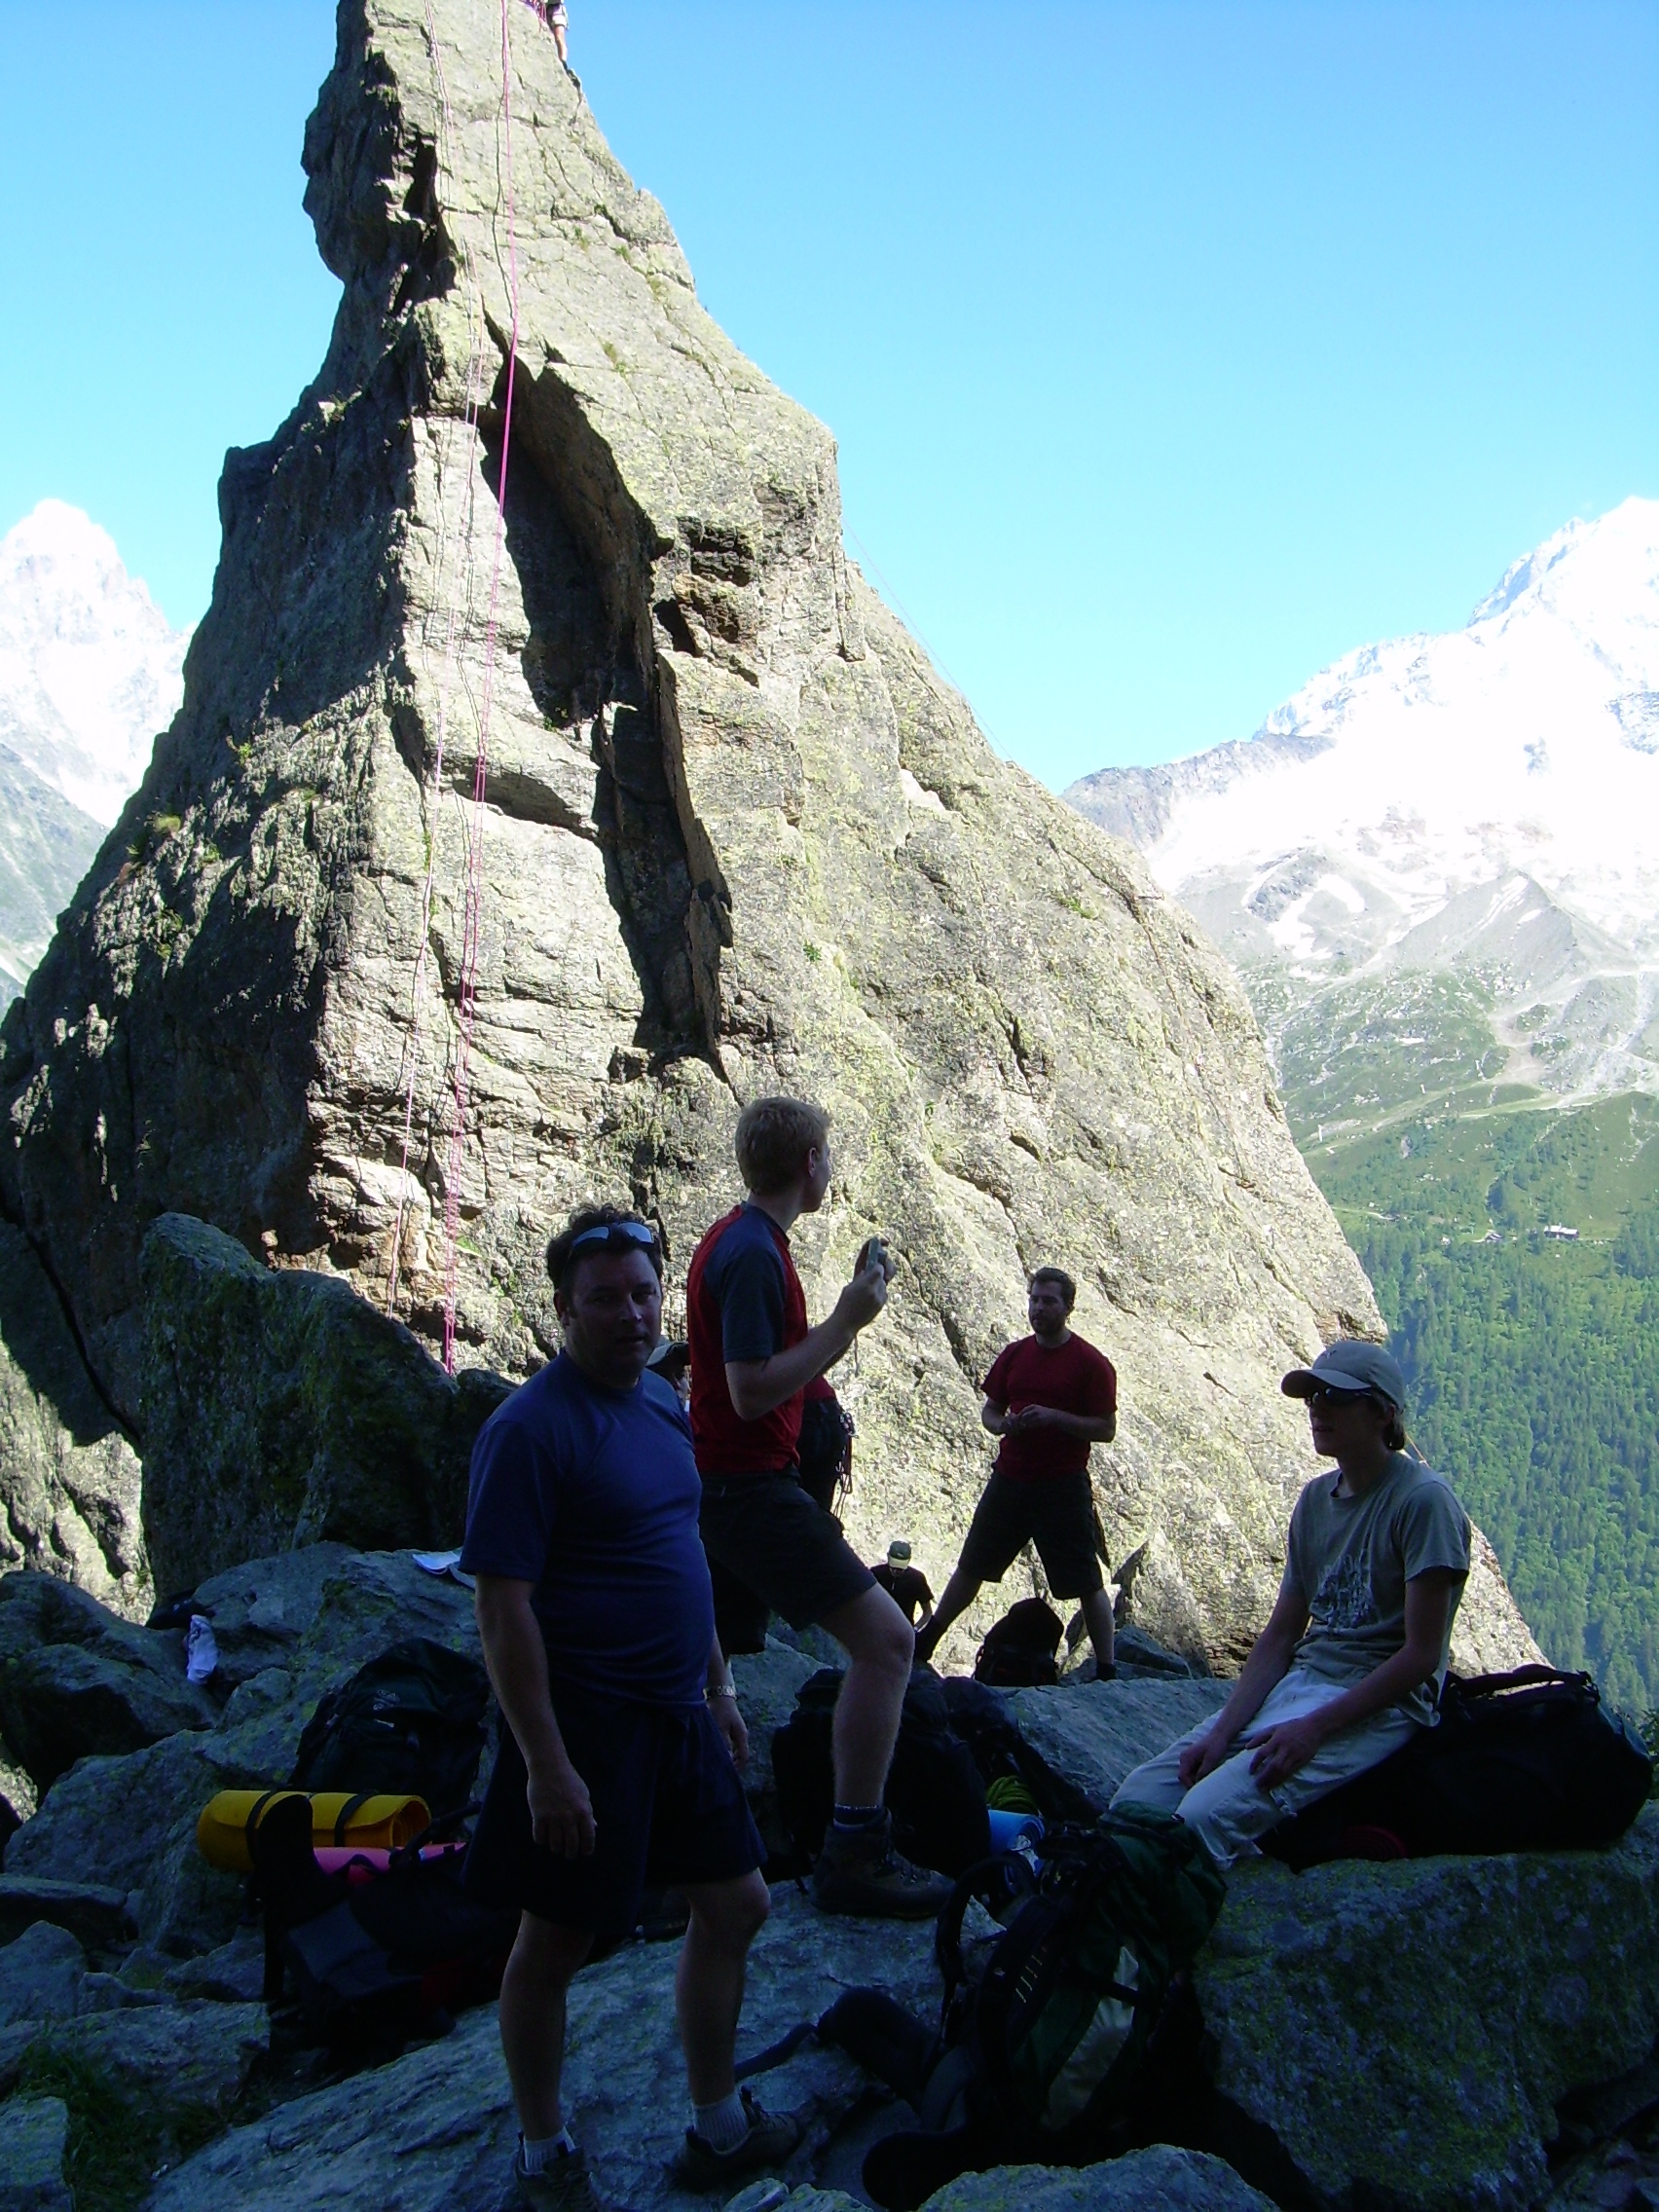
(672, 1360)
(906, 1585)
(618, 1764)
(1354, 1654)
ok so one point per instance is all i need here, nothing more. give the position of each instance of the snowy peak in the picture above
(90, 669)
(1389, 814)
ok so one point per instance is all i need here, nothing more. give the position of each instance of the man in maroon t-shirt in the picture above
(1048, 1397)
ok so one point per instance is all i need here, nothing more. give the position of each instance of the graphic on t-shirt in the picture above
(1345, 1599)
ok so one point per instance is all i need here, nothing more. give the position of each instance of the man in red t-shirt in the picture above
(1048, 1397)
(754, 1357)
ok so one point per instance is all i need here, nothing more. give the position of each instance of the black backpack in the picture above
(1524, 1761)
(372, 1964)
(934, 1786)
(410, 1722)
(1081, 2035)
(981, 1719)
(1019, 1652)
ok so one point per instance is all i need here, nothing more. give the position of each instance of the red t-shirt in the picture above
(1073, 1378)
(743, 1302)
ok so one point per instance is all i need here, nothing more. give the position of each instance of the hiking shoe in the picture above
(563, 2185)
(862, 1874)
(771, 2137)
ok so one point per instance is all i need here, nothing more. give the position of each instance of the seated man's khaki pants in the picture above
(1230, 1808)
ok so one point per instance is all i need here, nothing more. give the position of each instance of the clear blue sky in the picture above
(1173, 349)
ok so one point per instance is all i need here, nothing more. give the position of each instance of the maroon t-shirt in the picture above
(1075, 1378)
(743, 1302)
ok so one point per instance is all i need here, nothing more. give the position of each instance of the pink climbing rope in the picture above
(449, 534)
(467, 1003)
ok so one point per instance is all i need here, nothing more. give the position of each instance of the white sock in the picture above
(724, 2125)
(539, 2156)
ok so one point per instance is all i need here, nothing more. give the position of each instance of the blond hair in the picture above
(774, 1136)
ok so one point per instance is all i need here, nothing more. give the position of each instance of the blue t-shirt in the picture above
(593, 1495)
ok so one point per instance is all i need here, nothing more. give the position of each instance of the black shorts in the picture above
(767, 1535)
(668, 1809)
(1057, 1515)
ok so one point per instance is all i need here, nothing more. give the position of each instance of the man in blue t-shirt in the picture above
(616, 1768)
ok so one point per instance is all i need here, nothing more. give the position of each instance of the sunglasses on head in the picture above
(637, 1233)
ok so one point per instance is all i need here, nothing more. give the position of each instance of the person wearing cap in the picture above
(618, 1764)
(1353, 1657)
(672, 1360)
(906, 1585)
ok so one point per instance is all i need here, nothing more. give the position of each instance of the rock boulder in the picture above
(281, 1410)
(35, 2131)
(1155, 2180)
(69, 1476)
(1403, 2036)
(76, 1680)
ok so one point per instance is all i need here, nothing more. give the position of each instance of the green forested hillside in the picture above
(1533, 1357)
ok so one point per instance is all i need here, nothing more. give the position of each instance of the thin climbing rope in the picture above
(467, 1005)
(456, 599)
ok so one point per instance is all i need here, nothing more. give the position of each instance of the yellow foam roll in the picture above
(360, 1822)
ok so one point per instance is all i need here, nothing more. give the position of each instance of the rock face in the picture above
(282, 1409)
(1402, 2036)
(70, 1477)
(1155, 2180)
(738, 836)
(76, 1682)
(35, 2131)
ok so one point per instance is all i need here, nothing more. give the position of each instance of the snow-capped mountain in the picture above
(90, 671)
(1485, 802)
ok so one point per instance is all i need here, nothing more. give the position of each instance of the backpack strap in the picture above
(413, 1848)
(973, 1883)
(777, 2053)
(1517, 1678)
(349, 1813)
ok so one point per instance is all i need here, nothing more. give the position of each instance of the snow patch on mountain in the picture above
(90, 667)
(1486, 801)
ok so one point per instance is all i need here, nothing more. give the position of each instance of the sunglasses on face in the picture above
(1325, 1399)
(618, 1234)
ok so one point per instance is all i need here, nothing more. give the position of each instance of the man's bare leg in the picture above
(960, 1593)
(880, 1644)
(708, 1985)
(544, 1960)
(1097, 1615)
(561, 42)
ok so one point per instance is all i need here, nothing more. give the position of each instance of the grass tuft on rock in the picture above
(116, 2146)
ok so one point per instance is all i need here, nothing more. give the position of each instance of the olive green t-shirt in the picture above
(1349, 1560)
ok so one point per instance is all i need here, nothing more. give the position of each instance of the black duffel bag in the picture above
(1524, 1761)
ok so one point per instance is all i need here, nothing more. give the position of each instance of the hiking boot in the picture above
(563, 2185)
(864, 1875)
(771, 2137)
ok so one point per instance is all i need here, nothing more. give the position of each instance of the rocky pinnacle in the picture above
(739, 836)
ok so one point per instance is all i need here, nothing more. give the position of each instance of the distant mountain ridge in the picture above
(89, 671)
(1485, 802)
